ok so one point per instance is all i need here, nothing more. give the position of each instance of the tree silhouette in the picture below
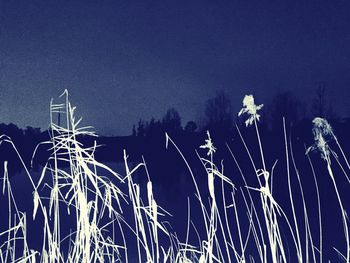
(154, 128)
(285, 104)
(171, 121)
(141, 131)
(218, 114)
(191, 127)
(321, 106)
(31, 132)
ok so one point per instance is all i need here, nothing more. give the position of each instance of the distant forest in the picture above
(147, 138)
(219, 117)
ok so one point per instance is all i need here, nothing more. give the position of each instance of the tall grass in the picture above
(86, 212)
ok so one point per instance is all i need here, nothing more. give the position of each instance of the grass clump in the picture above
(87, 212)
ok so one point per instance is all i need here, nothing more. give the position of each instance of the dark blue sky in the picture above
(126, 60)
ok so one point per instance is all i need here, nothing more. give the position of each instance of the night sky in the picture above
(126, 60)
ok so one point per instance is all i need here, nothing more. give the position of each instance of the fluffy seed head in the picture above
(251, 109)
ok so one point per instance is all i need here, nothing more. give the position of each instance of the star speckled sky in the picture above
(126, 60)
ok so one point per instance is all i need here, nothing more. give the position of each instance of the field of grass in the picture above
(83, 211)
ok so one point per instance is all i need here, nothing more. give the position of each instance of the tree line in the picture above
(219, 116)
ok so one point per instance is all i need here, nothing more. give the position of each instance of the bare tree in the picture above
(285, 104)
(319, 103)
(321, 106)
(218, 113)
